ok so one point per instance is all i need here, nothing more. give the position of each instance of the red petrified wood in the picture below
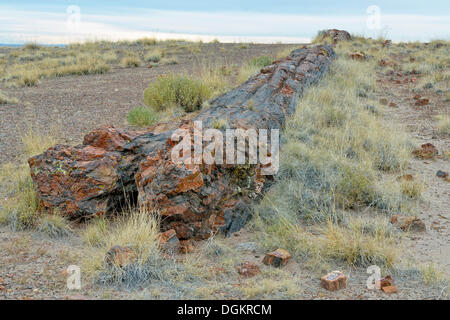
(114, 167)
(334, 281)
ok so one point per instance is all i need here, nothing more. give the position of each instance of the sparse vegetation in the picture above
(330, 205)
(180, 91)
(331, 163)
(130, 61)
(142, 116)
(5, 100)
(443, 124)
(21, 209)
(253, 67)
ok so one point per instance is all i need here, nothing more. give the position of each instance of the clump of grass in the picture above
(147, 41)
(130, 61)
(267, 288)
(20, 209)
(95, 231)
(253, 67)
(142, 116)
(350, 243)
(54, 225)
(110, 57)
(412, 189)
(219, 123)
(431, 274)
(175, 90)
(216, 75)
(5, 100)
(443, 123)
(29, 74)
(169, 61)
(155, 55)
(333, 161)
(261, 62)
(31, 46)
(285, 52)
(135, 229)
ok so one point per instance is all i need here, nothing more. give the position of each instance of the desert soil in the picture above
(434, 207)
(32, 265)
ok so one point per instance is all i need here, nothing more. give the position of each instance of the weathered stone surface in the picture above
(384, 282)
(87, 179)
(114, 166)
(357, 55)
(406, 223)
(337, 35)
(277, 258)
(426, 151)
(334, 281)
(248, 269)
(389, 289)
(120, 256)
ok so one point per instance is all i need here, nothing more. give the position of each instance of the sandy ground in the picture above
(434, 207)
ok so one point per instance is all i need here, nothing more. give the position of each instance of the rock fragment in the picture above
(248, 269)
(426, 151)
(389, 289)
(441, 174)
(357, 56)
(406, 223)
(334, 280)
(422, 102)
(277, 258)
(120, 256)
(336, 35)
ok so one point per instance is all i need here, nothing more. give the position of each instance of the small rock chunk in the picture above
(334, 281)
(277, 258)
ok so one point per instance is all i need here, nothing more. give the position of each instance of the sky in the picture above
(288, 21)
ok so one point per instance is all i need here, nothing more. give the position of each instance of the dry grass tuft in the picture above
(443, 124)
(337, 159)
(20, 209)
(176, 91)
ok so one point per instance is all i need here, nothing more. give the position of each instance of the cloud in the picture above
(19, 26)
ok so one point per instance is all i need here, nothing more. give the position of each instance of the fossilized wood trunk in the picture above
(95, 178)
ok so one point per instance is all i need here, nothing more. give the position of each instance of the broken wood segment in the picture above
(114, 166)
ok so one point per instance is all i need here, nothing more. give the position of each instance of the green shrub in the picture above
(175, 90)
(32, 46)
(253, 67)
(261, 62)
(130, 62)
(142, 116)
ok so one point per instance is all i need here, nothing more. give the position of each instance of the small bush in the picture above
(130, 62)
(32, 46)
(261, 62)
(5, 100)
(169, 61)
(443, 124)
(253, 67)
(54, 226)
(179, 91)
(19, 210)
(142, 116)
(155, 55)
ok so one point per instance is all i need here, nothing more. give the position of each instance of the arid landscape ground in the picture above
(353, 137)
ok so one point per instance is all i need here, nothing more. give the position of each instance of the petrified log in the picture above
(194, 199)
(337, 35)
